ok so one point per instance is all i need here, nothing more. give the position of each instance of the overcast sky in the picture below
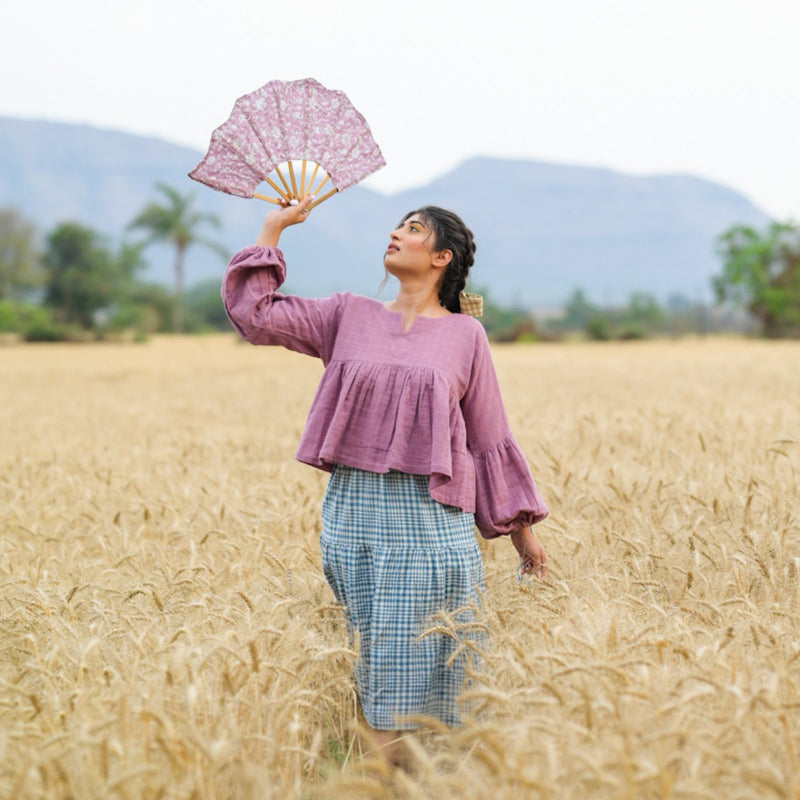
(707, 87)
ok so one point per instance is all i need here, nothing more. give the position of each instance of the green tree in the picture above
(578, 311)
(643, 316)
(177, 223)
(761, 272)
(147, 309)
(204, 308)
(504, 324)
(20, 267)
(84, 278)
(579, 314)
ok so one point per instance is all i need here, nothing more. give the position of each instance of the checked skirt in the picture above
(394, 557)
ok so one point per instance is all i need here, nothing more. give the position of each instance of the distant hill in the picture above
(542, 229)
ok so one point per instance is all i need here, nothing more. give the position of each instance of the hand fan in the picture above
(290, 127)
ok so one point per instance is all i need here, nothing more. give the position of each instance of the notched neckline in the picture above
(410, 328)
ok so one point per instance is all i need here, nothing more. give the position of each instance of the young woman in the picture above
(409, 420)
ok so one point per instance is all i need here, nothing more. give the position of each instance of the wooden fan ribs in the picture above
(293, 193)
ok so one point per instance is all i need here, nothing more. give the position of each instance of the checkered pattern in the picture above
(471, 304)
(393, 557)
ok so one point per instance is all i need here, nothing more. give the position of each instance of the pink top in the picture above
(426, 401)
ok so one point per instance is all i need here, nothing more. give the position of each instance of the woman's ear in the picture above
(442, 258)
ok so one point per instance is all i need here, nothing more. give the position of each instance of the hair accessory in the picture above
(471, 304)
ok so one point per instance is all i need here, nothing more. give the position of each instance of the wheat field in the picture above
(167, 632)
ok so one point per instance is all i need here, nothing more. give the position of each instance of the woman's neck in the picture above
(413, 302)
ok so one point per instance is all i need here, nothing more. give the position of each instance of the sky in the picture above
(703, 87)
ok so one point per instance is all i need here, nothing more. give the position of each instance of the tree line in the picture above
(78, 286)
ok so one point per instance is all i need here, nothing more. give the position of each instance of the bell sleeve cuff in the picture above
(507, 497)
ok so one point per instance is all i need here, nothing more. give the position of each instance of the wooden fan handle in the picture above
(295, 194)
(313, 177)
(284, 195)
(268, 199)
(324, 197)
(278, 202)
(288, 195)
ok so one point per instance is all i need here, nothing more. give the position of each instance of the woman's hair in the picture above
(451, 234)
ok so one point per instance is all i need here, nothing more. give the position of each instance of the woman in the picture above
(408, 419)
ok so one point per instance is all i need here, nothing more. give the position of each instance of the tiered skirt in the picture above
(395, 559)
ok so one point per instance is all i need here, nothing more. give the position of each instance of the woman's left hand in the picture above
(531, 553)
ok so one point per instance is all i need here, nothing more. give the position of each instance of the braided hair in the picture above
(451, 234)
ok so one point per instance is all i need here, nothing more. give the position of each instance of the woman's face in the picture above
(411, 249)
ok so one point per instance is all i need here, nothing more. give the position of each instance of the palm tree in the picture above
(176, 223)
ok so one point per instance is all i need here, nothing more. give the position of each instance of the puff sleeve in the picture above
(506, 497)
(262, 315)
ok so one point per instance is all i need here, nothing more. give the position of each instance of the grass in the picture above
(167, 631)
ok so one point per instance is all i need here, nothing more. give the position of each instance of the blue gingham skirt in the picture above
(394, 557)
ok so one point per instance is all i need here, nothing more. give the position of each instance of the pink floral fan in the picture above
(295, 127)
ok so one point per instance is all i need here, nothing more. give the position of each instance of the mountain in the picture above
(542, 229)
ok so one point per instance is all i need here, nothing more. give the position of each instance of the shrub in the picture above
(39, 326)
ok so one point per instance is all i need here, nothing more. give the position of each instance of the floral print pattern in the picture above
(286, 121)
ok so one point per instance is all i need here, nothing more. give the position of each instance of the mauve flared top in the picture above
(425, 401)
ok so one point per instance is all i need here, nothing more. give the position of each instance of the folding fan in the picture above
(290, 127)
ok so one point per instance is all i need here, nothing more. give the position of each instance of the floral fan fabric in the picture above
(285, 121)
